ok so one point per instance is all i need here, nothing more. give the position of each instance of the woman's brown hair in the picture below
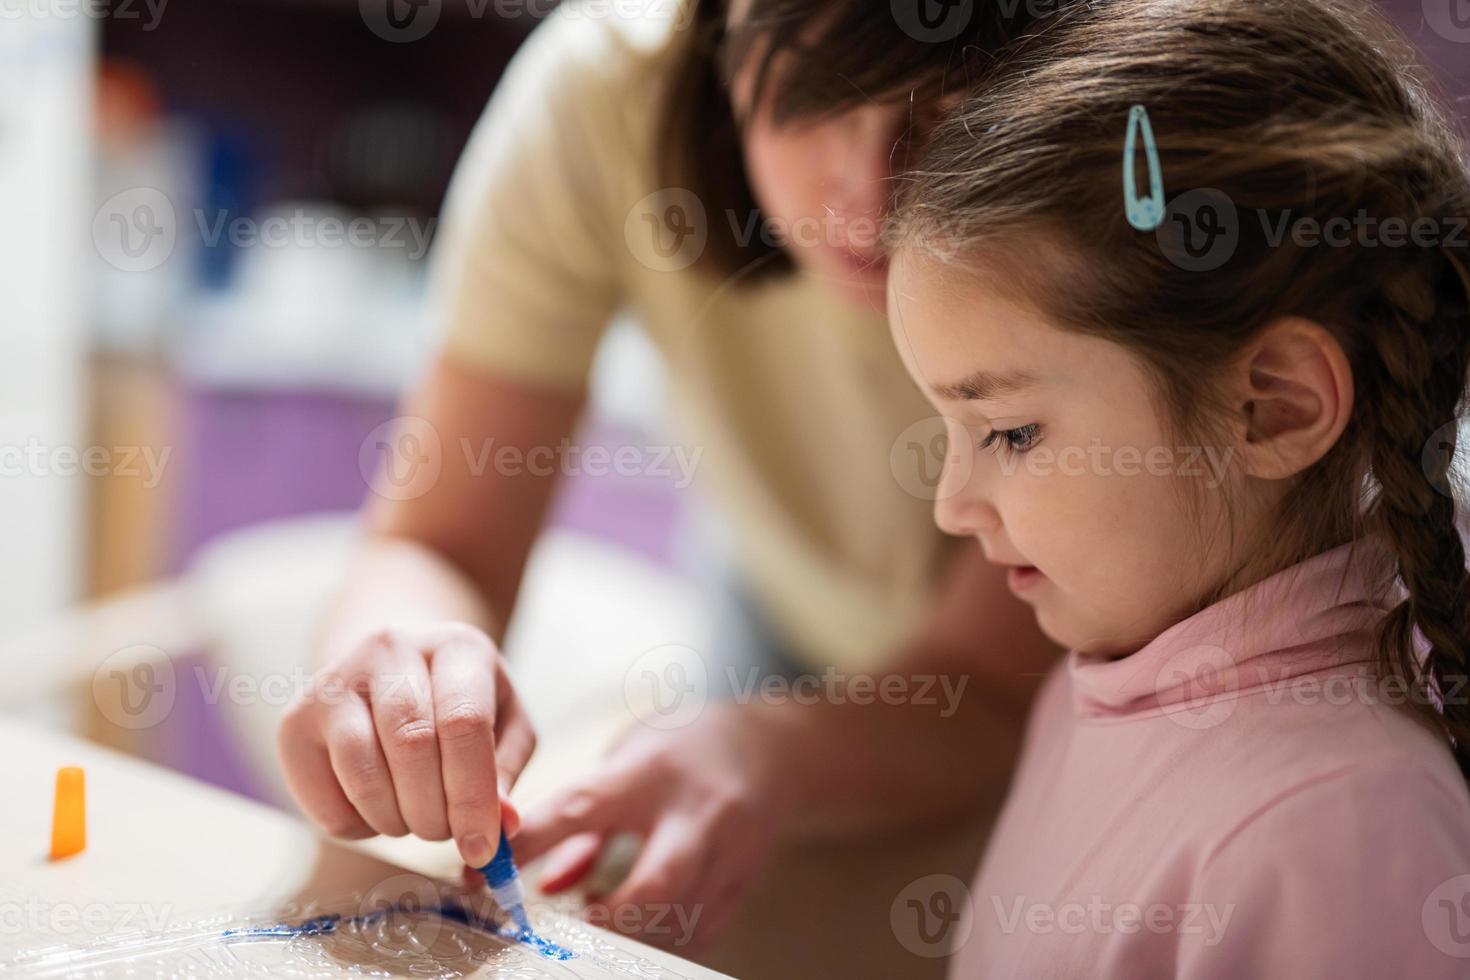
(849, 51)
(1265, 113)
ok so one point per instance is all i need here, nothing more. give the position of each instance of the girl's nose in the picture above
(963, 514)
(959, 507)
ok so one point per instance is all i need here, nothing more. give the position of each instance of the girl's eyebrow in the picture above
(984, 384)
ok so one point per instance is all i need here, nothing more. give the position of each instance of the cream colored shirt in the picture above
(796, 397)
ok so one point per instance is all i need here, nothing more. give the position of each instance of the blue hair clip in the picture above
(1144, 213)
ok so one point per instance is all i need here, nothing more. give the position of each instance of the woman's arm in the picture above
(412, 724)
(458, 550)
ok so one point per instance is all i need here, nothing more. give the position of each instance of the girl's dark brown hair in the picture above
(850, 51)
(1284, 108)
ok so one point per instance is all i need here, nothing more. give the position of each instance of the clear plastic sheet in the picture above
(427, 933)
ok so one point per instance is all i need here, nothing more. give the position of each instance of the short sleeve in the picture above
(1361, 874)
(525, 272)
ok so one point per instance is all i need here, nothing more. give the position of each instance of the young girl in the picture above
(1215, 458)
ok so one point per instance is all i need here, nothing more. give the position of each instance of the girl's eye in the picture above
(1016, 440)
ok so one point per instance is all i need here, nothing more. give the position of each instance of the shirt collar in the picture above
(1315, 614)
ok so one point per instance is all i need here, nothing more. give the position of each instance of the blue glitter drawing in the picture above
(325, 924)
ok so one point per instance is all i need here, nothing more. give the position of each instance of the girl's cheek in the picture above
(1057, 512)
(1028, 511)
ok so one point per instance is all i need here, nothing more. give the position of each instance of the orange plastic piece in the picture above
(69, 818)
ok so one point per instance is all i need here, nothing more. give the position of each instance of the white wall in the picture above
(45, 222)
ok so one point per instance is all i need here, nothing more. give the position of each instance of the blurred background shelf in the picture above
(247, 373)
(263, 368)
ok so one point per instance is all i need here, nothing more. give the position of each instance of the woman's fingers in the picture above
(510, 815)
(569, 862)
(663, 875)
(464, 714)
(712, 917)
(404, 719)
(422, 732)
(617, 798)
(359, 765)
(310, 778)
(726, 878)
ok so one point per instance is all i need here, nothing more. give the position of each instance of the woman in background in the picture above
(722, 174)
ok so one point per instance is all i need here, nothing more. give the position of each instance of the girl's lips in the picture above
(1022, 578)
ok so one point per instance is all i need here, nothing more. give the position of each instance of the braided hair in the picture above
(1285, 111)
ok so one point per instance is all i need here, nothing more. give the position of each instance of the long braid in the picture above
(1415, 395)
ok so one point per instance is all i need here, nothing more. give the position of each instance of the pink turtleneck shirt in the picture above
(1238, 799)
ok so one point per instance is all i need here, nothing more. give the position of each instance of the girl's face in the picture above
(1059, 462)
(823, 186)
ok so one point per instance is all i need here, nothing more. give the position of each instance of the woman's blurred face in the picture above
(823, 185)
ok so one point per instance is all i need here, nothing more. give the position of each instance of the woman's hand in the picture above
(416, 729)
(707, 802)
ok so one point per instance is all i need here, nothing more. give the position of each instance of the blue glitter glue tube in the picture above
(505, 884)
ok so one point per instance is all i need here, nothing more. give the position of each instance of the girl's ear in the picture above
(1294, 393)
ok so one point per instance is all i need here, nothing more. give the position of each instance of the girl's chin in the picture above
(1057, 636)
(1072, 636)
(1060, 631)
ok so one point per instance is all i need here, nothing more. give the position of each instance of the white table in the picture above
(170, 864)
